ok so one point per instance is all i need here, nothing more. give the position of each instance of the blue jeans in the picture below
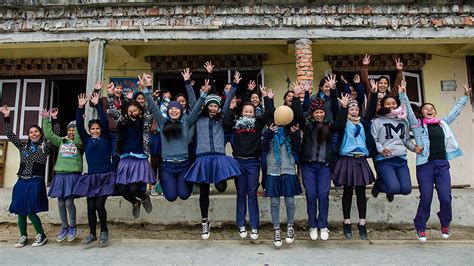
(247, 186)
(393, 176)
(434, 172)
(172, 180)
(317, 183)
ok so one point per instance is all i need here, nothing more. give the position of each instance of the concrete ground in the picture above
(238, 252)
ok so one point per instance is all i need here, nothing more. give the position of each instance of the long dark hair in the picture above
(128, 122)
(383, 110)
(172, 129)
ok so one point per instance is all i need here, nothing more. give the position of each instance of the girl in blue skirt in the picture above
(68, 168)
(212, 165)
(99, 181)
(29, 193)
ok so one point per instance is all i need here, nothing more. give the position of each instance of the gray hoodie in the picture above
(392, 134)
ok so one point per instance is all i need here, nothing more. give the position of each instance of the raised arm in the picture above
(372, 108)
(196, 111)
(8, 127)
(412, 119)
(212, 81)
(364, 74)
(457, 108)
(232, 92)
(82, 99)
(49, 133)
(269, 108)
(398, 79)
(339, 124)
(157, 114)
(189, 87)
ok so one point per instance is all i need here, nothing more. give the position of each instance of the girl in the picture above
(315, 158)
(247, 130)
(29, 193)
(279, 142)
(68, 168)
(351, 169)
(212, 165)
(392, 139)
(175, 130)
(432, 166)
(328, 93)
(99, 182)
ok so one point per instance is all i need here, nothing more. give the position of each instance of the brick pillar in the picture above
(304, 62)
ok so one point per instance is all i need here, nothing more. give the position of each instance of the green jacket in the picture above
(70, 152)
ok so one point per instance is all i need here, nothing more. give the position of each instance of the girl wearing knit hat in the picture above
(247, 129)
(68, 168)
(351, 170)
(212, 166)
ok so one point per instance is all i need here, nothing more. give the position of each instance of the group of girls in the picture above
(322, 137)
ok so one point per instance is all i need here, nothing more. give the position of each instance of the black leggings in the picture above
(96, 204)
(132, 191)
(347, 201)
(204, 196)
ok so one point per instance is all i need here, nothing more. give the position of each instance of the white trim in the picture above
(30, 108)
(229, 75)
(17, 99)
(417, 76)
(262, 73)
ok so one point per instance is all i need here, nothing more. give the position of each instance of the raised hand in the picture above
(237, 77)
(344, 100)
(343, 79)
(44, 113)
(373, 85)
(270, 93)
(111, 87)
(399, 64)
(206, 88)
(186, 74)
(82, 99)
(129, 94)
(94, 99)
(273, 128)
(263, 90)
(418, 149)
(356, 78)
(467, 90)
(233, 103)
(54, 113)
(98, 85)
(306, 86)
(331, 79)
(156, 93)
(298, 89)
(140, 83)
(366, 60)
(251, 85)
(209, 67)
(147, 80)
(402, 87)
(5, 111)
(295, 128)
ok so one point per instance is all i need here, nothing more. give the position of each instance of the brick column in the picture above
(304, 62)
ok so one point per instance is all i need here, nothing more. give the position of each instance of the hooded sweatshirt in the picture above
(392, 134)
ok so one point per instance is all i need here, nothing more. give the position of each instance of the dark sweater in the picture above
(130, 137)
(98, 150)
(247, 141)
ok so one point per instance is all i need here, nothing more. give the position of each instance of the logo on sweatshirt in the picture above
(399, 129)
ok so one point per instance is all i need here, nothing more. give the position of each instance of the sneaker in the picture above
(147, 204)
(136, 209)
(254, 234)
(21, 242)
(61, 236)
(40, 240)
(421, 236)
(362, 232)
(347, 229)
(313, 233)
(72, 234)
(206, 230)
(390, 197)
(324, 234)
(375, 191)
(339, 189)
(242, 232)
(103, 238)
(445, 232)
(290, 235)
(89, 239)
(277, 238)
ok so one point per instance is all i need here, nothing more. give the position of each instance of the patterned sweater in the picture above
(33, 156)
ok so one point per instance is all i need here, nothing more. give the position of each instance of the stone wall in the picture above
(173, 17)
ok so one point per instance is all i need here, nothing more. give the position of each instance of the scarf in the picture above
(399, 113)
(356, 122)
(278, 139)
(244, 122)
(431, 121)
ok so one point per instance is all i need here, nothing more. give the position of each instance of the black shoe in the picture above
(363, 232)
(347, 229)
(375, 191)
(390, 197)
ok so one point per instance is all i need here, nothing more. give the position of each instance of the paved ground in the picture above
(222, 252)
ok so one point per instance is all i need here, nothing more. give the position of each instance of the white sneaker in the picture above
(40, 240)
(290, 235)
(21, 242)
(445, 232)
(206, 230)
(254, 234)
(421, 236)
(313, 233)
(324, 234)
(277, 238)
(242, 232)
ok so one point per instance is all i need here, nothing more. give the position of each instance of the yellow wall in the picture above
(443, 66)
